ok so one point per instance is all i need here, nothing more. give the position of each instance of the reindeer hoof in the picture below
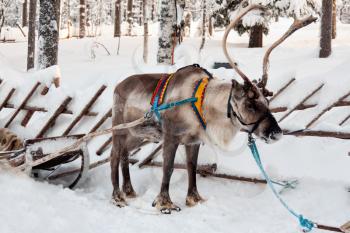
(165, 205)
(118, 199)
(193, 199)
(129, 191)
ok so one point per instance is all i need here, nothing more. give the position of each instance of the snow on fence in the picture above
(33, 110)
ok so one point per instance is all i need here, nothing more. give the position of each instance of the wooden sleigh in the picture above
(37, 149)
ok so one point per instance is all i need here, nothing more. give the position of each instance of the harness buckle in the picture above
(148, 115)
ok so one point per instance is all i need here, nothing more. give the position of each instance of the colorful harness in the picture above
(196, 100)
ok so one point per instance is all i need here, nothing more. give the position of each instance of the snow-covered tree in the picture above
(9, 12)
(48, 34)
(258, 21)
(166, 31)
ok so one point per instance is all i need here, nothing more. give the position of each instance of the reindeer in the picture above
(228, 107)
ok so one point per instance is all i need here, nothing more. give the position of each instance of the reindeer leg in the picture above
(116, 152)
(127, 186)
(163, 201)
(193, 197)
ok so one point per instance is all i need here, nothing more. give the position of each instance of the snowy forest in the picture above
(174, 116)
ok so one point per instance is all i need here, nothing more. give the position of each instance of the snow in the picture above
(320, 164)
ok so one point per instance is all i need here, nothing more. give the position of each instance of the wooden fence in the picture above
(79, 114)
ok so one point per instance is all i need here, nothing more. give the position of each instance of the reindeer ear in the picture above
(238, 89)
(251, 94)
(234, 83)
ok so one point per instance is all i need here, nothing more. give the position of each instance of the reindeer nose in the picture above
(276, 135)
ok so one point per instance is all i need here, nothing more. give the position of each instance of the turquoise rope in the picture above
(156, 109)
(306, 224)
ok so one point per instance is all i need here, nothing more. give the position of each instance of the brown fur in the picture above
(179, 126)
(9, 141)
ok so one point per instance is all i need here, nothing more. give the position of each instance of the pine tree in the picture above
(326, 29)
(48, 34)
(130, 16)
(117, 19)
(334, 20)
(31, 34)
(82, 19)
(257, 23)
(166, 32)
(25, 13)
(145, 31)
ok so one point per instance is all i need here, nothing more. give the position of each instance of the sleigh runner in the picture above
(35, 150)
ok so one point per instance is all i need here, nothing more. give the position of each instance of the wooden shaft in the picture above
(104, 146)
(40, 109)
(282, 89)
(345, 120)
(302, 102)
(28, 108)
(85, 110)
(326, 110)
(24, 102)
(151, 156)
(53, 118)
(101, 121)
(318, 133)
(306, 106)
(7, 98)
(26, 118)
(328, 228)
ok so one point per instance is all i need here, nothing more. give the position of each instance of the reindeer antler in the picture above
(297, 24)
(224, 41)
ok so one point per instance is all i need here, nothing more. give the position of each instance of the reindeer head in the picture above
(248, 103)
(249, 108)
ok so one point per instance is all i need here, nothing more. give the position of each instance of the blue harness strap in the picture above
(196, 100)
(156, 109)
(305, 223)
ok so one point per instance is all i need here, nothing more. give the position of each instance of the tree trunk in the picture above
(145, 31)
(31, 35)
(117, 18)
(256, 37)
(130, 16)
(25, 14)
(2, 19)
(166, 34)
(326, 29)
(82, 19)
(154, 11)
(48, 34)
(58, 17)
(204, 16)
(69, 23)
(210, 29)
(334, 20)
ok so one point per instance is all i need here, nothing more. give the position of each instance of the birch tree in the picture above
(48, 34)
(166, 33)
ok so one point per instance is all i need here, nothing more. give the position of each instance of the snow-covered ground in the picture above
(321, 164)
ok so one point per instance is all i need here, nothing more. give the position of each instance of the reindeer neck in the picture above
(220, 129)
